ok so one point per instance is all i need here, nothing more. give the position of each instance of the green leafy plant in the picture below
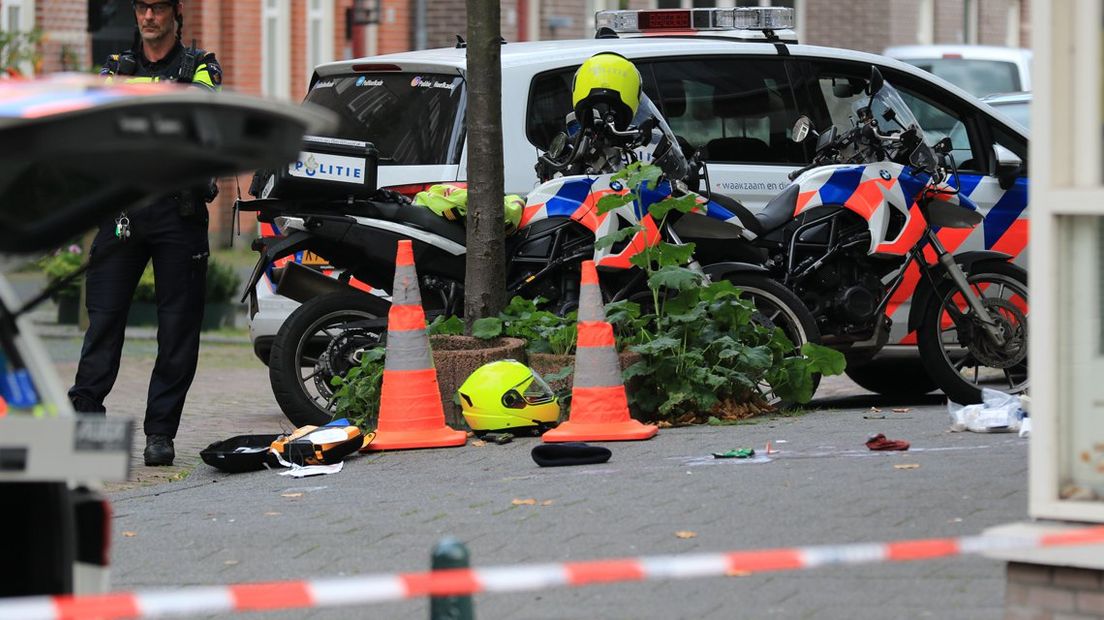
(702, 348)
(17, 48)
(60, 264)
(357, 394)
(543, 331)
(223, 282)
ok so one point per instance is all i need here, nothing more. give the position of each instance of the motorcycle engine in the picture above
(844, 295)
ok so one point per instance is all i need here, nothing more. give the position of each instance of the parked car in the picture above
(730, 92)
(159, 138)
(1016, 106)
(979, 69)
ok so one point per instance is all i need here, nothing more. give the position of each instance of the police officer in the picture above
(172, 231)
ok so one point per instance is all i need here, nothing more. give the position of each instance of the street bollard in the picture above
(451, 553)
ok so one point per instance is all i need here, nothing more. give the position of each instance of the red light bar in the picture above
(664, 20)
(370, 68)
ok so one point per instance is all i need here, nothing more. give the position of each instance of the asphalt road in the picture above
(384, 512)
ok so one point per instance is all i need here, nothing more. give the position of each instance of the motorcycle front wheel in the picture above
(778, 306)
(959, 355)
(322, 339)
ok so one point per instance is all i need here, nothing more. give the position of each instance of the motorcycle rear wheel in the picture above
(951, 351)
(778, 306)
(298, 368)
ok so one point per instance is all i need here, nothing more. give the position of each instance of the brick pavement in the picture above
(230, 396)
(190, 524)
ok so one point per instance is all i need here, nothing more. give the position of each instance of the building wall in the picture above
(1040, 591)
(865, 25)
(65, 45)
(395, 28)
(448, 18)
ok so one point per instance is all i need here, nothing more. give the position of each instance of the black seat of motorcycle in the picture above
(777, 212)
(416, 216)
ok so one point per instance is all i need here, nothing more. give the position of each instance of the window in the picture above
(412, 118)
(925, 23)
(1081, 257)
(838, 89)
(978, 77)
(970, 21)
(320, 37)
(1012, 33)
(738, 110)
(275, 35)
(17, 16)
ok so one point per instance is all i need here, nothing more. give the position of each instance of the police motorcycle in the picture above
(876, 199)
(560, 223)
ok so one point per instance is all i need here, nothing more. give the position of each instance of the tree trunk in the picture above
(485, 280)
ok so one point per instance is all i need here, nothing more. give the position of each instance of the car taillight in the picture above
(955, 56)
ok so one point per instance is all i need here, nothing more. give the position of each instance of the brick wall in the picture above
(1039, 592)
(395, 32)
(873, 25)
(569, 17)
(865, 25)
(447, 18)
(66, 45)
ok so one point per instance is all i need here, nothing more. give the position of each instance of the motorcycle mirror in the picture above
(922, 158)
(876, 82)
(889, 114)
(801, 129)
(559, 143)
(944, 146)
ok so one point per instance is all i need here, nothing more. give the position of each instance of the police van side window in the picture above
(836, 88)
(736, 111)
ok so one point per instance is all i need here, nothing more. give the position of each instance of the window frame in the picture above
(324, 16)
(275, 74)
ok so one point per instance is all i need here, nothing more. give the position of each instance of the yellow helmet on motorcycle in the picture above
(508, 396)
(609, 83)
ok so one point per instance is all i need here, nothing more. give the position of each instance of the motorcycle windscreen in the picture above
(75, 152)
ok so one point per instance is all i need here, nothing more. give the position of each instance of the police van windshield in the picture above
(412, 118)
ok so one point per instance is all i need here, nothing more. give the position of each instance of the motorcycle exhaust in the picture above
(303, 283)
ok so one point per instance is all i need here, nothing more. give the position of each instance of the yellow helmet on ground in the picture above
(508, 396)
(609, 83)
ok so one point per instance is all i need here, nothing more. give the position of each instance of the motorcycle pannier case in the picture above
(241, 453)
(329, 168)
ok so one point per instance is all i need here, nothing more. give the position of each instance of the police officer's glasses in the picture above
(158, 8)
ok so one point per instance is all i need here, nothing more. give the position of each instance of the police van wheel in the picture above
(317, 342)
(39, 563)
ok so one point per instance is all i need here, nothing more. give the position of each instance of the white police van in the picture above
(730, 81)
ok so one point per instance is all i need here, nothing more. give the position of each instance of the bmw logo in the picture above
(616, 186)
(885, 175)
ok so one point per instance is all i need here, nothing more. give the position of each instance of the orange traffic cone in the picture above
(411, 414)
(599, 407)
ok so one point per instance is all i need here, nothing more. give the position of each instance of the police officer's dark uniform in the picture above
(173, 233)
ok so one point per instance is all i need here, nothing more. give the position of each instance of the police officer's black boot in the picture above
(159, 450)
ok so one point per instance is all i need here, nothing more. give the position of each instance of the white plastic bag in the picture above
(997, 413)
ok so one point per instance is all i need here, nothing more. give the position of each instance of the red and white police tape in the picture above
(462, 581)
